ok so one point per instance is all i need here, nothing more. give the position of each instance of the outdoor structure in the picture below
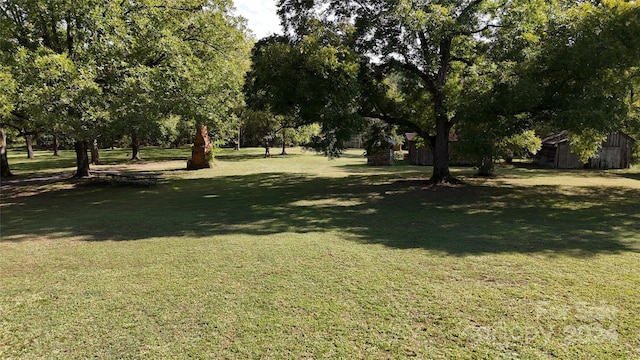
(382, 158)
(355, 142)
(615, 153)
(555, 153)
(383, 152)
(424, 155)
(418, 156)
(200, 150)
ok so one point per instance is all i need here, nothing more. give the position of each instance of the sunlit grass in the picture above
(304, 257)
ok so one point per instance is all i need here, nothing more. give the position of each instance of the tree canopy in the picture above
(90, 66)
(313, 80)
(486, 69)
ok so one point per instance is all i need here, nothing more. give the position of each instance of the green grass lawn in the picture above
(301, 257)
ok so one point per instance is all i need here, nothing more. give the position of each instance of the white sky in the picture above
(261, 16)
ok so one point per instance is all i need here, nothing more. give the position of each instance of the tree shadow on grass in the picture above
(632, 176)
(256, 156)
(395, 169)
(371, 209)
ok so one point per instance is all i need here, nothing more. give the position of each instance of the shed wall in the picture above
(614, 154)
(565, 159)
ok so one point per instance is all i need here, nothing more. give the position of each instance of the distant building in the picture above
(424, 155)
(355, 142)
(614, 154)
(386, 155)
(418, 155)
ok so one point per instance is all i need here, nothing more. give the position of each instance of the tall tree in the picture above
(432, 46)
(7, 94)
(306, 81)
(44, 45)
(183, 58)
(580, 76)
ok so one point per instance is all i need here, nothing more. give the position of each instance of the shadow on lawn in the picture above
(632, 176)
(380, 209)
(252, 156)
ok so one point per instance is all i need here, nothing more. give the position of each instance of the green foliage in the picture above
(413, 58)
(580, 78)
(489, 69)
(257, 126)
(186, 60)
(379, 137)
(307, 80)
(92, 68)
(519, 145)
(210, 155)
(304, 134)
(8, 87)
(51, 93)
(586, 144)
(633, 125)
(480, 143)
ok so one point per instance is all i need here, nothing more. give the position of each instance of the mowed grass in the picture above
(301, 257)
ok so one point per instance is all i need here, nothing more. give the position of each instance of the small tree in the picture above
(379, 137)
(519, 145)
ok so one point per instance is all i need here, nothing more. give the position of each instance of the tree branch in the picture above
(445, 59)
(424, 45)
(21, 131)
(155, 62)
(178, 8)
(468, 9)
(394, 121)
(428, 79)
(365, 8)
(214, 47)
(489, 26)
(462, 60)
(6, 124)
(69, 37)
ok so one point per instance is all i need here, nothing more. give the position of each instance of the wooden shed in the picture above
(418, 155)
(384, 156)
(615, 153)
(555, 153)
(355, 142)
(424, 155)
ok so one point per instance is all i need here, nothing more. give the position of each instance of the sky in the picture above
(261, 16)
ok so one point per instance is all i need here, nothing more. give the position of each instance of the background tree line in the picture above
(114, 72)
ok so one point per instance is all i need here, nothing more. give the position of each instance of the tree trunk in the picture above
(284, 142)
(239, 137)
(56, 144)
(29, 139)
(441, 173)
(4, 161)
(486, 166)
(95, 155)
(82, 159)
(135, 148)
